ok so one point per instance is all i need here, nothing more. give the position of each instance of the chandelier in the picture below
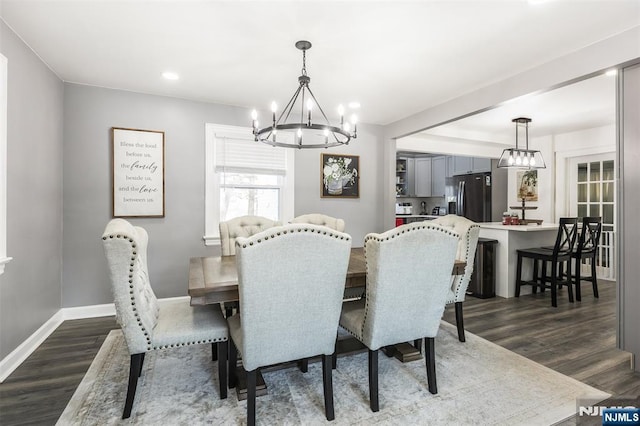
(519, 158)
(302, 131)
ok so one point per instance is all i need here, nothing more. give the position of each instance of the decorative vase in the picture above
(334, 187)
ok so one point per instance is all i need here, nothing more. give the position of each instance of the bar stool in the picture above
(587, 249)
(562, 252)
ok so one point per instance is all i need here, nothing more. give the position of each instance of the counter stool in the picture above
(587, 248)
(562, 252)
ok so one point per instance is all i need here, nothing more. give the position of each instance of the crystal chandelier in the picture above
(303, 132)
(519, 158)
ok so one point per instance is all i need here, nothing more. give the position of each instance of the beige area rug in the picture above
(478, 383)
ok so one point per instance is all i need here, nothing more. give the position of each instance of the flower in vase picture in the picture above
(340, 175)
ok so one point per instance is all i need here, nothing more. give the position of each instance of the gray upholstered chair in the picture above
(243, 226)
(468, 231)
(278, 270)
(408, 280)
(320, 219)
(147, 325)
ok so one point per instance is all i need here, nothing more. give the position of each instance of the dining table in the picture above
(214, 279)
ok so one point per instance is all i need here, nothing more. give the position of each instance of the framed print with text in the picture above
(138, 172)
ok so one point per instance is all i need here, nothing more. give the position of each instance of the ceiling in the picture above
(396, 58)
(587, 104)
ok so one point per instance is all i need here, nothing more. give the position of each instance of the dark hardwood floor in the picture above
(574, 339)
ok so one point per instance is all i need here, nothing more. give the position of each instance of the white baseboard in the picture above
(12, 361)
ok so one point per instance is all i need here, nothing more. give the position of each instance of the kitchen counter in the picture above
(519, 228)
(512, 238)
(418, 216)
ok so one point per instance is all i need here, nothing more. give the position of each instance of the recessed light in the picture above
(170, 75)
(611, 73)
(354, 105)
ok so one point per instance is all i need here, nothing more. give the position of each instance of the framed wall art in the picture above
(528, 185)
(138, 172)
(340, 175)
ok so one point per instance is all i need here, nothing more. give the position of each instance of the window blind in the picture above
(234, 154)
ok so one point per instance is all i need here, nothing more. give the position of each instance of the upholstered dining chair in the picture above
(560, 253)
(278, 321)
(408, 282)
(320, 219)
(243, 226)
(469, 232)
(146, 324)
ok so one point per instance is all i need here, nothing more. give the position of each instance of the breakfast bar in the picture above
(510, 239)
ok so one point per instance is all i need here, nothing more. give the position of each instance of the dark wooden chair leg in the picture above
(518, 275)
(134, 372)
(430, 359)
(303, 364)
(214, 351)
(418, 345)
(594, 278)
(536, 277)
(233, 361)
(251, 398)
(578, 280)
(544, 279)
(222, 349)
(373, 381)
(570, 282)
(327, 383)
(554, 290)
(459, 321)
(141, 364)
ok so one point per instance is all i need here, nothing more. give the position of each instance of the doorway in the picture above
(592, 192)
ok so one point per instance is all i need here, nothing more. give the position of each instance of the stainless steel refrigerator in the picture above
(480, 197)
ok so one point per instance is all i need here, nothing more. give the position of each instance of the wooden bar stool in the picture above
(587, 248)
(562, 252)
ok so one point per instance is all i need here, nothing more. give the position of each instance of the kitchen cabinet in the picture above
(405, 177)
(468, 165)
(438, 173)
(480, 165)
(423, 177)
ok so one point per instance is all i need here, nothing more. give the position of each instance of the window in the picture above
(3, 163)
(244, 177)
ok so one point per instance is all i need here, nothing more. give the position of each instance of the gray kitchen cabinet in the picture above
(462, 165)
(438, 174)
(468, 165)
(449, 171)
(480, 165)
(423, 177)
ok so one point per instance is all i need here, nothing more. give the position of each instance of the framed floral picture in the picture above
(340, 176)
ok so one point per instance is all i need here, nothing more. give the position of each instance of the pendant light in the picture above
(519, 158)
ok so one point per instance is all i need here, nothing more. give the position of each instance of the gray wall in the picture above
(629, 158)
(89, 114)
(30, 288)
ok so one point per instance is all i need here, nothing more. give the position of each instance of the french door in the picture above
(592, 192)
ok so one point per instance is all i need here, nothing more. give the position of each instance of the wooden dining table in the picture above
(215, 279)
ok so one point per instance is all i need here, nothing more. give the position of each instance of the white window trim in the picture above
(214, 132)
(4, 259)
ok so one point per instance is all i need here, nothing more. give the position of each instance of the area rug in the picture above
(478, 383)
